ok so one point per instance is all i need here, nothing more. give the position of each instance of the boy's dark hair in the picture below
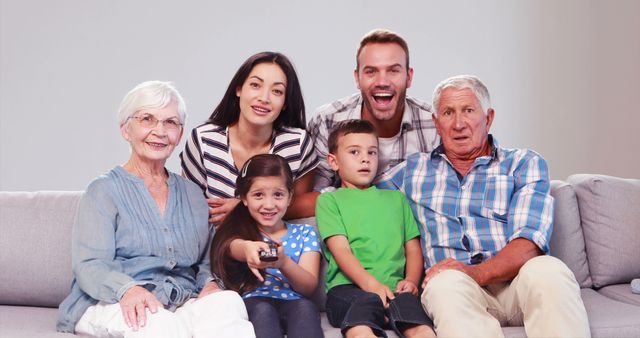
(348, 127)
(239, 224)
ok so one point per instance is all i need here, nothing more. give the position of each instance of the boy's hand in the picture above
(381, 290)
(407, 286)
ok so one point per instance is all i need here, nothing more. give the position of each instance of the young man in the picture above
(403, 123)
(372, 243)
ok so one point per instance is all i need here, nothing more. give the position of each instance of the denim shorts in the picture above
(349, 306)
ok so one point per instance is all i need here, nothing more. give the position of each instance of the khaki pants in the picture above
(220, 314)
(544, 297)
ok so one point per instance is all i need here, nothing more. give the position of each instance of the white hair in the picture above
(150, 95)
(463, 82)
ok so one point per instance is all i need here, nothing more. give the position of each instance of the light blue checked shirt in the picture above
(504, 196)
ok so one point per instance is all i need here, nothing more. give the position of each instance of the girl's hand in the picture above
(219, 208)
(407, 286)
(252, 256)
(133, 304)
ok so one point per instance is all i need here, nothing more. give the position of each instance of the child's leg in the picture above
(264, 317)
(407, 318)
(350, 307)
(301, 317)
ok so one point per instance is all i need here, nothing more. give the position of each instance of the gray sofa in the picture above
(596, 233)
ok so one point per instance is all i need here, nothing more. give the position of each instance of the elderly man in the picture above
(486, 218)
(403, 125)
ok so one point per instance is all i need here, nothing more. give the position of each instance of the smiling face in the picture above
(383, 79)
(462, 125)
(152, 144)
(267, 201)
(356, 159)
(262, 95)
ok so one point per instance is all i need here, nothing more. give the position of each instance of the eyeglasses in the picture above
(150, 121)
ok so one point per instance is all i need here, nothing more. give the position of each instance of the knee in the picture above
(261, 310)
(447, 284)
(368, 299)
(163, 319)
(546, 272)
(306, 308)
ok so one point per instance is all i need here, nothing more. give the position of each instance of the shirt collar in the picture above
(436, 153)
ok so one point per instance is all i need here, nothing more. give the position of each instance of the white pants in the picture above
(544, 297)
(220, 314)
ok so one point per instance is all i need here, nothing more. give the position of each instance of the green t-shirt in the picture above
(376, 223)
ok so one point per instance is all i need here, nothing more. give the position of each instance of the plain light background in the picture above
(563, 75)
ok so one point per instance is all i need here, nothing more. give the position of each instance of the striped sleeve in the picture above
(309, 157)
(531, 208)
(191, 161)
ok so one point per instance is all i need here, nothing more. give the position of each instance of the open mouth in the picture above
(268, 214)
(156, 145)
(260, 110)
(364, 171)
(383, 98)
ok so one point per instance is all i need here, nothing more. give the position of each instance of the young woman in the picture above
(274, 288)
(261, 112)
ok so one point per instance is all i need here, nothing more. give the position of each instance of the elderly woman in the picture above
(141, 238)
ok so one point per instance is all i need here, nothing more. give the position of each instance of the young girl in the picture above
(274, 291)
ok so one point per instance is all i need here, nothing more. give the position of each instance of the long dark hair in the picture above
(239, 224)
(293, 113)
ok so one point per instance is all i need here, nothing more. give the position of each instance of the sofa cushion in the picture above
(621, 292)
(567, 240)
(32, 322)
(35, 246)
(610, 217)
(610, 318)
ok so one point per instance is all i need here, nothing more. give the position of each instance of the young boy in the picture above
(372, 244)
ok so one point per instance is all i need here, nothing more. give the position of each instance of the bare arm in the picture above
(503, 267)
(304, 275)
(413, 267)
(304, 200)
(351, 266)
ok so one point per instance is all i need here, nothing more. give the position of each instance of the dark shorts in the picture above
(349, 306)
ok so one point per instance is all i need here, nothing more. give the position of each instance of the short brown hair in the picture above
(345, 127)
(380, 35)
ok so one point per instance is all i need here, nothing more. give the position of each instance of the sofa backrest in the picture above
(35, 246)
(567, 240)
(610, 216)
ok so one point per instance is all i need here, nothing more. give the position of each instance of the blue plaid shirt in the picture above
(503, 196)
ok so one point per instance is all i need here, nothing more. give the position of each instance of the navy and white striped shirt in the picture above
(208, 162)
(504, 196)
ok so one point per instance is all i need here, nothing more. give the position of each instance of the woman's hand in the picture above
(219, 208)
(133, 304)
(209, 288)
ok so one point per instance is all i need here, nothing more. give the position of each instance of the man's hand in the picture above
(383, 291)
(209, 288)
(407, 286)
(133, 304)
(219, 208)
(474, 271)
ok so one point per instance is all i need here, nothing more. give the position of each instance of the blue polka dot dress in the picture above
(300, 238)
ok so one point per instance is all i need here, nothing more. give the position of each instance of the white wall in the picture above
(563, 74)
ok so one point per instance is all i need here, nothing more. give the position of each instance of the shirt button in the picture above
(166, 229)
(170, 249)
(172, 263)
(463, 187)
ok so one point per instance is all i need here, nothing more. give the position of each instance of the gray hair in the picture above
(463, 82)
(150, 95)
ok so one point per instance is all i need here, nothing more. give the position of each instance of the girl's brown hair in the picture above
(239, 224)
